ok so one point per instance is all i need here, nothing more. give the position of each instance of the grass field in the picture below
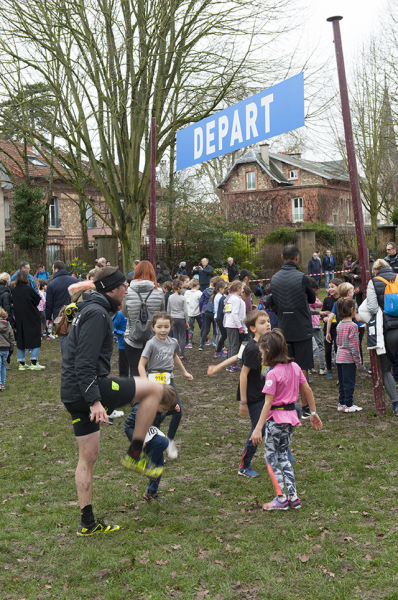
(208, 538)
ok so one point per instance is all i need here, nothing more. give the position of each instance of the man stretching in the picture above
(89, 394)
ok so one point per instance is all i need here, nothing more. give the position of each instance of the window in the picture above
(7, 221)
(293, 174)
(91, 221)
(251, 180)
(36, 161)
(297, 210)
(53, 216)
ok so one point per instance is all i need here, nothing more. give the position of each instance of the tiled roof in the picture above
(252, 156)
(11, 159)
(328, 170)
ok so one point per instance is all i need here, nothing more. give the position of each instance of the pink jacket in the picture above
(314, 318)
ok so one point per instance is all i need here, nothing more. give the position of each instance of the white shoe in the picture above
(353, 408)
(116, 413)
(322, 371)
(172, 451)
(341, 407)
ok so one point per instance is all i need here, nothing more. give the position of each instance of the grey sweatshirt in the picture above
(177, 307)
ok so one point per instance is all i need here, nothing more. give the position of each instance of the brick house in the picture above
(273, 189)
(64, 228)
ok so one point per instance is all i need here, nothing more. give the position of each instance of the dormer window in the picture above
(251, 180)
(293, 174)
(36, 161)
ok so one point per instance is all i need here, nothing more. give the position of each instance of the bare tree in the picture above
(124, 61)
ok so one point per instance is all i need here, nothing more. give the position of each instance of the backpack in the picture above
(142, 330)
(390, 296)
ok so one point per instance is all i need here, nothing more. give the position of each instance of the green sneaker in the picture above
(143, 465)
(24, 367)
(97, 527)
(37, 367)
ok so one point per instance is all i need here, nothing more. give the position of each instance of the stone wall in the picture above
(237, 181)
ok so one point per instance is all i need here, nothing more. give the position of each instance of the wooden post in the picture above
(152, 205)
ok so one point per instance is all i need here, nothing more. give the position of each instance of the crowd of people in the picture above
(152, 316)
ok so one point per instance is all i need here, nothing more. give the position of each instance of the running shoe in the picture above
(115, 414)
(230, 369)
(219, 355)
(200, 347)
(143, 465)
(151, 498)
(329, 375)
(341, 407)
(306, 413)
(363, 368)
(294, 502)
(188, 346)
(208, 343)
(322, 371)
(36, 367)
(172, 451)
(24, 367)
(277, 504)
(353, 408)
(96, 527)
(248, 472)
(233, 369)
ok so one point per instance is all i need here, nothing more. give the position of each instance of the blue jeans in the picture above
(346, 372)
(34, 354)
(155, 449)
(328, 276)
(3, 361)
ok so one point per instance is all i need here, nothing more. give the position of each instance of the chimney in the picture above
(264, 150)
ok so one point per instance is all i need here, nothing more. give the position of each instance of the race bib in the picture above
(264, 370)
(152, 431)
(160, 377)
(242, 347)
(228, 308)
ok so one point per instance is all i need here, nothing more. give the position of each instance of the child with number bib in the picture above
(155, 443)
(282, 384)
(157, 361)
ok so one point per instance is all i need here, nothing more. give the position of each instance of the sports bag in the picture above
(390, 296)
(142, 330)
(63, 322)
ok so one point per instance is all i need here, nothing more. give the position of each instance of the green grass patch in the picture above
(208, 538)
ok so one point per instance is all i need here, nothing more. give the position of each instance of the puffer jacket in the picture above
(132, 304)
(6, 303)
(7, 339)
(375, 297)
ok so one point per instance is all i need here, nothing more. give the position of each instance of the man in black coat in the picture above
(204, 270)
(233, 269)
(58, 294)
(392, 256)
(291, 293)
(90, 395)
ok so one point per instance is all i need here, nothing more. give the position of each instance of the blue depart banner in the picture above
(272, 112)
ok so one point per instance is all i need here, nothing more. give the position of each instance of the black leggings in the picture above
(223, 335)
(133, 356)
(328, 349)
(209, 319)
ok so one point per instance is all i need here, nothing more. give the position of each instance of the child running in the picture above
(348, 357)
(281, 390)
(157, 362)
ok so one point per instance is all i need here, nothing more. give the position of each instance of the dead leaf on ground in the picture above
(173, 574)
(303, 557)
(161, 562)
(101, 573)
(325, 571)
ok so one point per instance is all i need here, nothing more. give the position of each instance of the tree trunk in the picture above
(374, 233)
(83, 227)
(130, 231)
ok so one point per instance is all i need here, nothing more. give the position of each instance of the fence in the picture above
(11, 255)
